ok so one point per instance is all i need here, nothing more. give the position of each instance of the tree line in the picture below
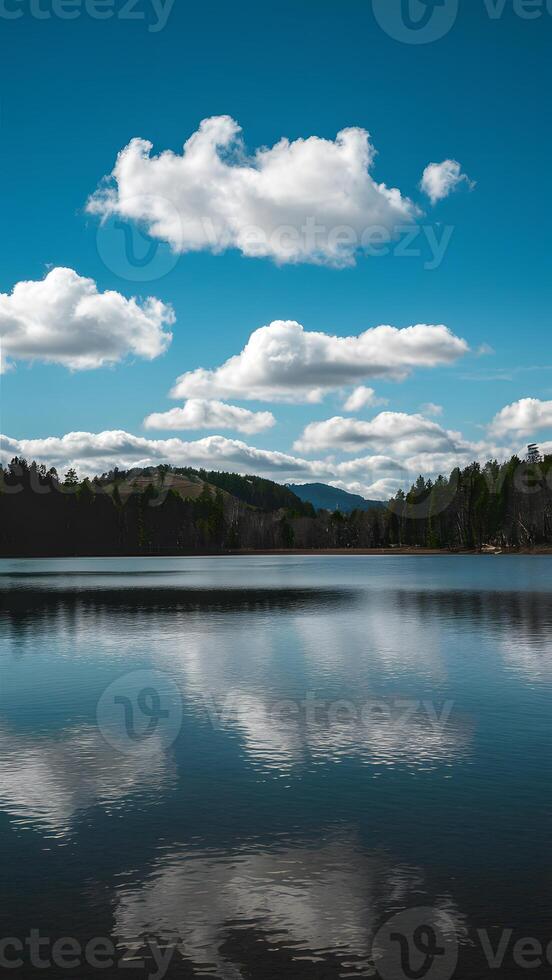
(506, 505)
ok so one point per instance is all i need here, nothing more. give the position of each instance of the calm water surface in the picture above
(259, 761)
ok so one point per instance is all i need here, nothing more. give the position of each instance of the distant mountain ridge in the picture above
(324, 497)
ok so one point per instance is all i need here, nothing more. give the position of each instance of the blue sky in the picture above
(75, 92)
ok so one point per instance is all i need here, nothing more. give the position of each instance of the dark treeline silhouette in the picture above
(166, 510)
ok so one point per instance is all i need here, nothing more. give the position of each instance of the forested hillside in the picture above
(253, 490)
(185, 511)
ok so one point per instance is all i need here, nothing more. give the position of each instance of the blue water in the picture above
(259, 761)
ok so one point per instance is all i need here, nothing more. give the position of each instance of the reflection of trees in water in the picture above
(520, 621)
(529, 610)
(34, 609)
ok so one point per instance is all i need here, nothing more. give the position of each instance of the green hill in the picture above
(255, 491)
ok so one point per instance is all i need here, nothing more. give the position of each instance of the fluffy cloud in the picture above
(409, 449)
(524, 418)
(284, 362)
(64, 319)
(307, 200)
(441, 179)
(362, 398)
(91, 453)
(462, 453)
(396, 431)
(430, 408)
(199, 413)
(404, 446)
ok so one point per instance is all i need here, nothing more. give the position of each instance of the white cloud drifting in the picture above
(200, 413)
(396, 459)
(64, 319)
(284, 362)
(524, 418)
(305, 200)
(388, 432)
(362, 397)
(91, 453)
(441, 179)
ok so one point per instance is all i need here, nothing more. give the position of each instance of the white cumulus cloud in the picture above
(304, 200)
(523, 418)
(284, 362)
(441, 179)
(396, 431)
(362, 397)
(377, 475)
(64, 319)
(200, 413)
(92, 453)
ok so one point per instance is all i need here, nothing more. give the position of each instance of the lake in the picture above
(276, 766)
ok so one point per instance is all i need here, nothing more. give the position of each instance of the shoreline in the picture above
(407, 552)
(542, 551)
